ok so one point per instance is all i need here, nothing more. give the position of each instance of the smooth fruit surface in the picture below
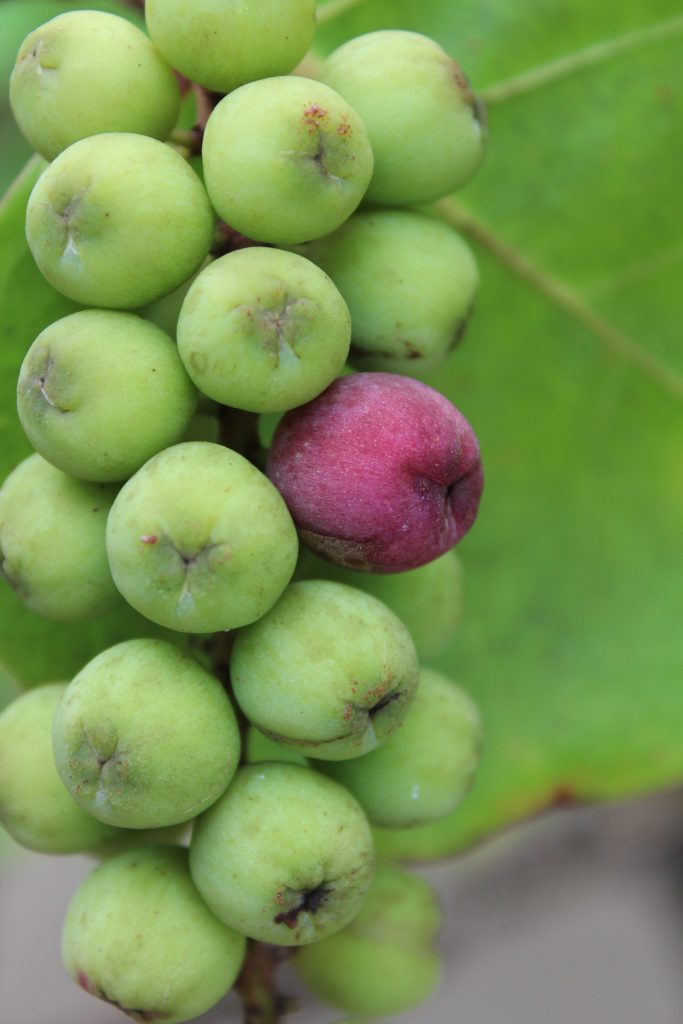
(90, 376)
(380, 472)
(422, 773)
(285, 160)
(199, 540)
(409, 281)
(223, 45)
(329, 671)
(86, 72)
(263, 330)
(383, 962)
(35, 807)
(285, 856)
(138, 935)
(425, 124)
(118, 220)
(145, 737)
(52, 541)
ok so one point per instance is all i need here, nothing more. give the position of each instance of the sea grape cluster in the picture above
(285, 711)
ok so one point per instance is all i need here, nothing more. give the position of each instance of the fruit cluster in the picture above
(307, 720)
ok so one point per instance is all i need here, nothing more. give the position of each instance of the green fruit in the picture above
(263, 330)
(83, 427)
(199, 540)
(258, 747)
(329, 671)
(285, 160)
(428, 600)
(85, 73)
(424, 122)
(383, 962)
(223, 45)
(164, 312)
(118, 220)
(285, 856)
(422, 773)
(52, 542)
(137, 935)
(145, 737)
(35, 808)
(409, 281)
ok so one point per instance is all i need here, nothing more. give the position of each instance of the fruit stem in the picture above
(256, 984)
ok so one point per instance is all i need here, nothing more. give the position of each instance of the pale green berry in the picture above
(410, 282)
(425, 125)
(258, 747)
(101, 391)
(35, 807)
(285, 856)
(199, 540)
(144, 736)
(52, 541)
(118, 220)
(223, 45)
(86, 72)
(164, 312)
(383, 963)
(285, 160)
(423, 772)
(329, 670)
(263, 330)
(138, 935)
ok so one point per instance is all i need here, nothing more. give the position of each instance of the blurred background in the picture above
(572, 374)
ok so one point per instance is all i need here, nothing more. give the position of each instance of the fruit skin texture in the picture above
(35, 808)
(86, 72)
(145, 737)
(199, 540)
(138, 935)
(223, 45)
(263, 330)
(92, 375)
(383, 962)
(425, 124)
(52, 542)
(258, 748)
(409, 281)
(329, 671)
(422, 773)
(118, 220)
(380, 472)
(428, 600)
(285, 160)
(285, 856)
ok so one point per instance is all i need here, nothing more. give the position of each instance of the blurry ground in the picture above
(575, 917)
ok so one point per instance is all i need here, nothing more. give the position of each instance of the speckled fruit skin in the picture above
(52, 542)
(383, 963)
(263, 330)
(423, 772)
(200, 541)
(87, 378)
(380, 472)
(285, 160)
(145, 737)
(35, 807)
(86, 72)
(285, 856)
(137, 935)
(409, 281)
(118, 220)
(329, 671)
(223, 45)
(428, 600)
(425, 125)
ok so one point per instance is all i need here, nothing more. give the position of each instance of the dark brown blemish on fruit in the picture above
(313, 117)
(562, 796)
(384, 702)
(461, 328)
(93, 990)
(344, 128)
(310, 903)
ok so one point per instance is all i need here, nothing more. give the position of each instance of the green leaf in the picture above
(33, 649)
(572, 375)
